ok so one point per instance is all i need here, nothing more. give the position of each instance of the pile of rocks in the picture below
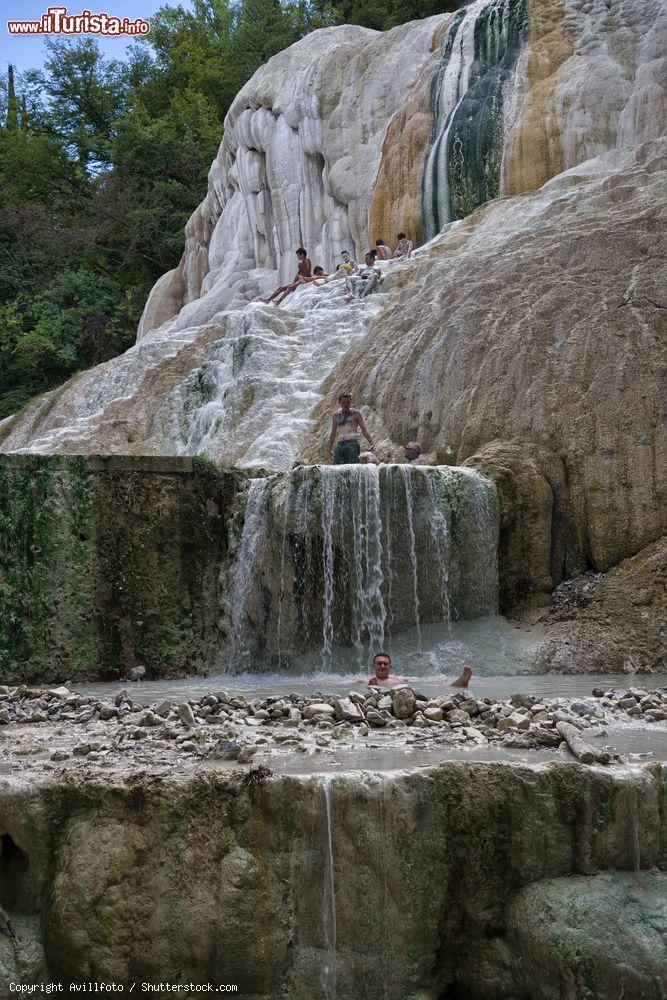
(231, 727)
(650, 706)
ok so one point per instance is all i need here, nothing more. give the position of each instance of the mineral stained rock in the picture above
(526, 340)
(601, 936)
(154, 878)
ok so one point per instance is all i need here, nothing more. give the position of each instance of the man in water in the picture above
(381, 670)
(412, 451)
(366, 277)
(464, 679)
(345, 425)
(303, 274)
(382, 251)
(404, 247)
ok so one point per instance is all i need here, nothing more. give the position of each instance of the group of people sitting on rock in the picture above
(363, 278)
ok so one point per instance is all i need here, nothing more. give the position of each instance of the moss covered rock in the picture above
(110, 563)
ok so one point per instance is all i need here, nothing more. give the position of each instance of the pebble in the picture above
(318, 708)
(226, 750)
(524, 721)
(346, 708)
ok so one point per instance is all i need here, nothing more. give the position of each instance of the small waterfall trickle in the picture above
(329, 899)
(450, 84)
(334, 560)
(409, 510)
(463, 165)
(243, 572)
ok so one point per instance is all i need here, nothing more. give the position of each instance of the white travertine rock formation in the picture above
(533, 323)
(296, 167)
(591, 78)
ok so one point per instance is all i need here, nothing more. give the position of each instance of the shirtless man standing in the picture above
(344, 428)
(302, 275)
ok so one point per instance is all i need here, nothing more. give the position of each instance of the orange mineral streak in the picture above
(396, 205)
(533, 150)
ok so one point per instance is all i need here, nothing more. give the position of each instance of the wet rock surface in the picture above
(568, 930)
(237, 876)
(49, 729)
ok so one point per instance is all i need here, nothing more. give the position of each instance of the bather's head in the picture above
(301, 253)
(370, 258)
(382, 665)
(318, 270)
(402, 236)
(345, 400)
(345, 254)
(412, 450)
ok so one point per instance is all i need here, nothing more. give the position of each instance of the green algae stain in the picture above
(102, 570)
(46, 545)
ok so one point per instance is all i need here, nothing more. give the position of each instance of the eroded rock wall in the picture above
(538, 323)
(179, 878)
(296, 167)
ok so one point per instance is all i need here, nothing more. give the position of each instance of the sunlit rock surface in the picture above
(296, 166)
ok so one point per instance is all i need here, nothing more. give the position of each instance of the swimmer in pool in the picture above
(382, 669)
(463, 679)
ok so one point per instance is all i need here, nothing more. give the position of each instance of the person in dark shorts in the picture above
(345, 426)
(303, 274)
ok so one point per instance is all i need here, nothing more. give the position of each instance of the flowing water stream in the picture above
(339, 561)
(476, 76)
(329, 899)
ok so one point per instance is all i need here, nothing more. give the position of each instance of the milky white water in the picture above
(250, 404)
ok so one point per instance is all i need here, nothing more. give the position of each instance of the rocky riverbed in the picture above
(56, 728)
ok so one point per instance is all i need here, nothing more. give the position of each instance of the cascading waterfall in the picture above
(414, 572)
(463, 165)
(243, 578)
(338, 558)
(250, 402)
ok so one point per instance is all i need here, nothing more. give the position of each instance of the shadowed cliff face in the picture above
(292, 885)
